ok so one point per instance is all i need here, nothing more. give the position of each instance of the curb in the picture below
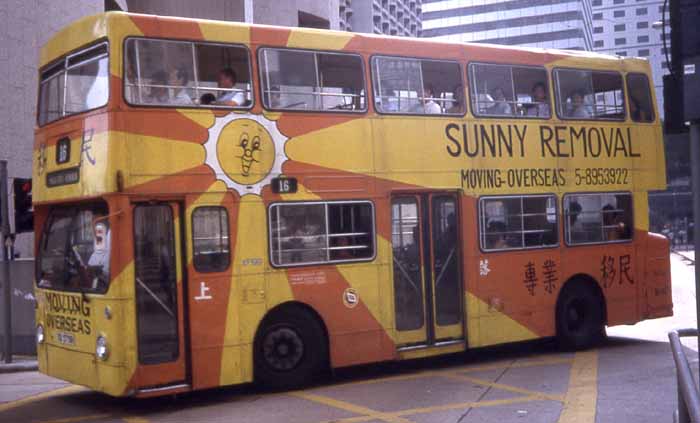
(26, 366)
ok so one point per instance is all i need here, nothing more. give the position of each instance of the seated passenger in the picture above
(638, 113)
(496, 236)
(158, 93)
(540, 105)
(500, 106)
(207, 98)
(457, 95)
(227, 79)
(429, 105)
(179, 78)
(577, 108)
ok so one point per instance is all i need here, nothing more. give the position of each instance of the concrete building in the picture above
(390, 17)
(535, 23)
(25, 25)
(625, 28)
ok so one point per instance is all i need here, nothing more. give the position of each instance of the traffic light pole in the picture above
(6, 250)
(695, 185)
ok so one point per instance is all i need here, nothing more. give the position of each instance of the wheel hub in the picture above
(283, 349)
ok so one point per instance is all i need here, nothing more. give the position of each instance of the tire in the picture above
(290, 349)
(579, 317)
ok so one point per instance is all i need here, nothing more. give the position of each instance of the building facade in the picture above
(562, 24)
(626, 28)
(389, 17)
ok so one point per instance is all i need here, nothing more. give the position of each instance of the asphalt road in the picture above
(629, 378)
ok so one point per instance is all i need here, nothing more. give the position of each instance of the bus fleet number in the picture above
(601, 176)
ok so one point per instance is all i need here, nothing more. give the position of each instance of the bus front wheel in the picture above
(580, 316)
(290, 349)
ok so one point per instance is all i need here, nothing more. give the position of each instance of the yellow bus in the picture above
(218, 203)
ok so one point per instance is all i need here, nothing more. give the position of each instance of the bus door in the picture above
(428, 295)
(158, 271)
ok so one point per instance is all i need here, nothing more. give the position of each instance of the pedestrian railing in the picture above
(688, 394)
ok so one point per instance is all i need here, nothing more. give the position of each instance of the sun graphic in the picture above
(245, 151)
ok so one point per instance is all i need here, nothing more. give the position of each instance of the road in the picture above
(629, 378)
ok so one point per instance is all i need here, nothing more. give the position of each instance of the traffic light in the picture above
(24, 213)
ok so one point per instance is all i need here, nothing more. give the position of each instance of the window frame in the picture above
(63, 73)
(228, 239)
(470, 78)
(565, 216)
(262, 48)
(651, 98)
(482, 230)
(194, 75)
(325, 203)
(593, 119)
(373, 57)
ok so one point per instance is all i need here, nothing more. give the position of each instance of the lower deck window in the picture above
(596, 218)
(509, 223)
(314, 233)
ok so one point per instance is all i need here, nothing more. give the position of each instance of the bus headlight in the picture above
(101, 348)
(40, 334)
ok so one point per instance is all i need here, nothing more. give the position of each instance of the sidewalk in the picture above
(20, 363)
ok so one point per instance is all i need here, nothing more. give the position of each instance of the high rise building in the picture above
(390, 17)
(626, 28)
(562, 24)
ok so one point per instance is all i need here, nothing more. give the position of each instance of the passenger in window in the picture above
(639, 114)
(227, 80)
(179, 78)
(344, 252)
(457, 97)
(496, 236)
(578, 108)
(98, 263)
(275, 97)
(614, 225)
(500, 106)
(159, 91)
(575, 226)
(429, 105)
(540, 104)
(207, 98)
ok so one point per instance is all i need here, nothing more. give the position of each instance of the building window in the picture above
(504, 90)
(621, 53)
(413, 86)
(598, 43)
(620, 27)
(510, 223)
(643, 39)
(598, 30)
(619, 14)
(312, 81)
(316, 233)
(597, 3)
(597, 218)
(620, 41)
(597, 16)
(642, 25)
(642, 11)
(210, 239)
(641, 105)
(584, 94)
(618, 1)
(643, 52)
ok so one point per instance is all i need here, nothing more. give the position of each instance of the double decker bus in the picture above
(218, 203)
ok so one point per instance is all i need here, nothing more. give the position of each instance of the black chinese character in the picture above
(607, 268)
(625, 267)
(549, 269)
(86, 146)
(530, 280)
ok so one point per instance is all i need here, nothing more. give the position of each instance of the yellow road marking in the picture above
(60, 391)
(347, 406)
(580, 400)
(77, 419)
(509, 388)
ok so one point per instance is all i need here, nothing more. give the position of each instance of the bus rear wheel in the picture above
(580, 317)
(290, 349)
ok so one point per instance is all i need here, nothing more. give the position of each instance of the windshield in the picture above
(74, 250)
(77, 83)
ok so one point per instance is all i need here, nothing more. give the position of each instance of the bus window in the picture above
(413, 86)
(505, 90)
(312, 81)
(210, 238)
(641, 106)
(596, 218)
(186, 74)
(74, 251)
(584, 94)
(314, 233)
(508, 223)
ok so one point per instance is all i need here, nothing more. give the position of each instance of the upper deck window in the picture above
(585, 94)
(186, 74)
(415, 86)
(506, 90)
(77, 83)
(641, 106)
(312, 81)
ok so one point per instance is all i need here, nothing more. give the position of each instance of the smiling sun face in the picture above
(245, 152)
